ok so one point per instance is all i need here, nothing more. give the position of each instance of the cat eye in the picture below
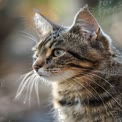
(58, 52)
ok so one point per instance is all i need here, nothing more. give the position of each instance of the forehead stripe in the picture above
(77, 56)
(51, 38)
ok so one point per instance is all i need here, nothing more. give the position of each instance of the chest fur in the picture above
(71, 108)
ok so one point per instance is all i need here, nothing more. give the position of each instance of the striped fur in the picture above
(86, 76)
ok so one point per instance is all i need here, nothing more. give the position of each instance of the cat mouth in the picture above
(43, 73)
(52, 77)
(49, 72)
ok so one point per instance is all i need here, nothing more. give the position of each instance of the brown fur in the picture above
(89, 83)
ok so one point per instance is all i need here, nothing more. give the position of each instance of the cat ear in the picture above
(86, 24)
(43, 25)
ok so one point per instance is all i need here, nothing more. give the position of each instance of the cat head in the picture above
(63, 53)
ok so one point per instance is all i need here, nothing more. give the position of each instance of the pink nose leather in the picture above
(36, 67)
(38, 64)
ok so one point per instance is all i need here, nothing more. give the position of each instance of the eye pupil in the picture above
(58, 52)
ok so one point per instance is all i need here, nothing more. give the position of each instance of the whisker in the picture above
(102, 79)
(113, 87)
(109, 73)
(28, 88)
(21, 89)
(98, 96)
(37, 92)
(85, 88)
(26, 74)
(30, 38)
(29, 35)
(107, 92)
(22, 84)
(31, 89)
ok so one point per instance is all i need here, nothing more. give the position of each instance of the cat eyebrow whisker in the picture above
(24, 32)
(30, 38)
(28, 35)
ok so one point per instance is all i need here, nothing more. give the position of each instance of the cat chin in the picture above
(58, 77)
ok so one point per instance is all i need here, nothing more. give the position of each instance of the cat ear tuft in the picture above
(42, 25)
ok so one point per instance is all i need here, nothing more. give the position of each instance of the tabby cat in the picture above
(83, 67)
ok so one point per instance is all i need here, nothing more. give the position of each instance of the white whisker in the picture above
(31, 89)
(23, 84)
(27, 90)
(29, 35)
(37, 92)
(30, 38)
(98, 96)
(102, 79)
(21, 89)
(107, 92)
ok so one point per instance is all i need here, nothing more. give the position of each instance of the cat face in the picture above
(63, 53)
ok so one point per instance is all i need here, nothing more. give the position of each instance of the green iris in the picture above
(58, 52)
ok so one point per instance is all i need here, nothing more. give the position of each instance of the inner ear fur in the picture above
(85, 24)
(43, 25)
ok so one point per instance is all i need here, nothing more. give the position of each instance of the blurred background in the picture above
(17, 37)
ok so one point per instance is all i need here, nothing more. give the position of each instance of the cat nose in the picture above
(36, 67)
(38, 64)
